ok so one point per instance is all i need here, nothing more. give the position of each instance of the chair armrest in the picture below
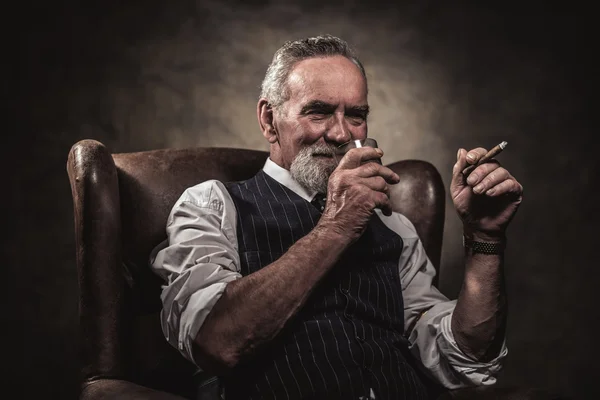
(102, 296)
(106, 389)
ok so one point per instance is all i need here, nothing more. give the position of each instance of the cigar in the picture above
(492, 153)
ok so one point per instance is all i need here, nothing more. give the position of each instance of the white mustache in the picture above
(321, 151)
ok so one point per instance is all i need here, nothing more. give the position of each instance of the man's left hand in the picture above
(487, 199)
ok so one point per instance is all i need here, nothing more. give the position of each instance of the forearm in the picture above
(255, 308)
(479, 319)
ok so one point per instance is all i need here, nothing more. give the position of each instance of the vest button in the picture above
(345, 291)
(360, 338)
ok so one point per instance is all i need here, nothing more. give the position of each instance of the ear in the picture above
(264, 112)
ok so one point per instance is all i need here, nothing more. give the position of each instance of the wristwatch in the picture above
(484, 247)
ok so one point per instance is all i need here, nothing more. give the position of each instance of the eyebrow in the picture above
(328, 107)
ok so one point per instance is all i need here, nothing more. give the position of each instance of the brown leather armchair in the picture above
(121, 203)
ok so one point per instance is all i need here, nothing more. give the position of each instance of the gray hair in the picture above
(274, 86)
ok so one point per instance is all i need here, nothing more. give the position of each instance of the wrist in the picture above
(336, 229)
(484, 236)
(484, 244)
(331, 236)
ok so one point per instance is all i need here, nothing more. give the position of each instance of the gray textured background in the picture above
(150, 74)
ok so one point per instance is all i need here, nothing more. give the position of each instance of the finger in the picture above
(461, 164)
(508, 186)
(382, 202)
(475, 155)
(376, 183)
(372, 169)
(481, 171)
(355, 157)
(490, 180)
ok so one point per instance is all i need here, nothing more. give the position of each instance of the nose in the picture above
(339, 131)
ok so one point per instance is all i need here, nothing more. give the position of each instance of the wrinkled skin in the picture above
(488, 199)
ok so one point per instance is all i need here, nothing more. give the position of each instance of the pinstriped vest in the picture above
(347, 341)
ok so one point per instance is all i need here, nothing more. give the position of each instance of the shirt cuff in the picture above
(474, 372)
(433, 342)
(182, 321)
(197, 309)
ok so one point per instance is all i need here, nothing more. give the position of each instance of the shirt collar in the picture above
(284, 177)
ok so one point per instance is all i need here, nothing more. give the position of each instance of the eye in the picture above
(356, 119)
(317, 115)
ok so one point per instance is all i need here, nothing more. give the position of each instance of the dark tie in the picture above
(319, 201)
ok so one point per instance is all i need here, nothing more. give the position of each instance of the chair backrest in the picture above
(121, 203)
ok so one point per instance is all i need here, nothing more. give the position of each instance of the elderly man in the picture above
(284, 299)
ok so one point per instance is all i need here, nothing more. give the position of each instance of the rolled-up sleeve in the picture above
(428, 315)
(197, 261)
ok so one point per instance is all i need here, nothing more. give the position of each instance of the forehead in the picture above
(333, 79)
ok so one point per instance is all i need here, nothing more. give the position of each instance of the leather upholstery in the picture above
(120, 389)
(420, 196)
(121, 203)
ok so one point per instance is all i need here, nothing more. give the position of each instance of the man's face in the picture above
(327, 107)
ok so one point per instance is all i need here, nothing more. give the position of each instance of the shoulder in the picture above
(206, 205)
(209, 197)
(208, 194)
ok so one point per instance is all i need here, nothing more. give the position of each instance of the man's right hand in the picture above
(355, 189)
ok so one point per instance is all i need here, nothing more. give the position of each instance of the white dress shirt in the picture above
(200, 257)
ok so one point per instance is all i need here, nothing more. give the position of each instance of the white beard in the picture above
(310, 172)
